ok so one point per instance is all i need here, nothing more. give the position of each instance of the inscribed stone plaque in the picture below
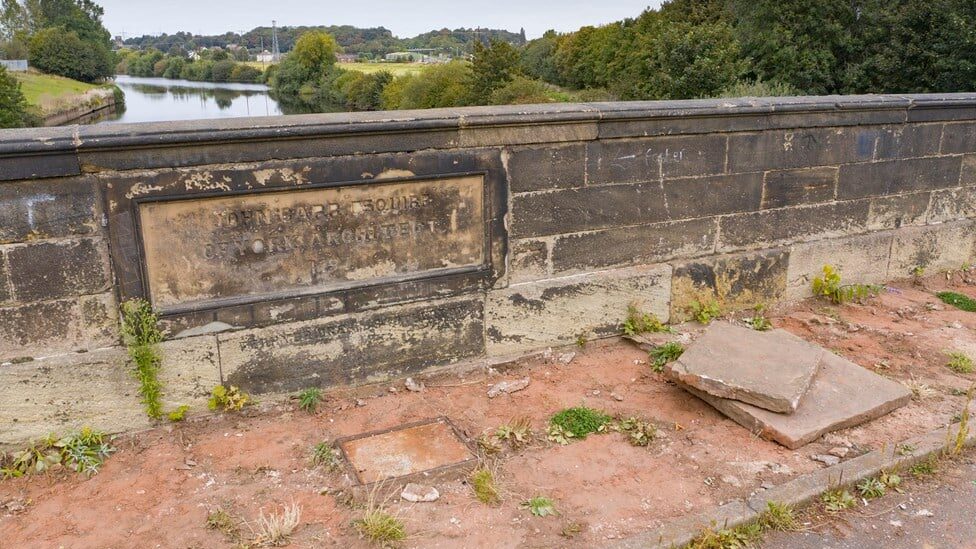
(265, 245)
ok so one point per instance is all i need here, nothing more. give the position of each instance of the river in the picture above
(162, 99)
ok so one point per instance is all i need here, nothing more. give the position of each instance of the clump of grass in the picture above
(960, 363)
(959, 301)
(962, 433)
(639, 322)
(758, 320)
(746, 535)
(639, 432)
(835, 501)
(516, 433)
(380, 527)
(581, 341)
(227, 399)
(580, 421)
(484, 486)
(275, 529)
(83, 452)
(308, 400)
(325, 454)
(179, 414)
(779, 516)
(924, 468)
(222, 521)
(540, 506)
(871, 488)
(829, 286)
(705, 310)
(662, 355)
(141, 336)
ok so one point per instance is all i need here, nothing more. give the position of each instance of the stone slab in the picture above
(772, 370)
(842, 395)
(405, 450)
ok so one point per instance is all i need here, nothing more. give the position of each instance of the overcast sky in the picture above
(405, 18)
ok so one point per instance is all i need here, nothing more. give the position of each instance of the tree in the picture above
(14, 111)
(67, 38)
(520, 91)
(57, 51)
(439, 86)
(492, 68)
(303, 70)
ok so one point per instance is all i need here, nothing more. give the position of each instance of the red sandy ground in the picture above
(158, 489)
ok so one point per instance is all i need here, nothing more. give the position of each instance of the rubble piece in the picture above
(508, 387)
(772, 370)
(842, 395)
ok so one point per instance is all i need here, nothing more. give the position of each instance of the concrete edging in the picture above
(797, 492)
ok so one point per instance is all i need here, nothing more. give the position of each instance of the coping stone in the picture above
(772, 370)
(842, 395)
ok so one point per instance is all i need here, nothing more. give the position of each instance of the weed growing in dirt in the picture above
(871, 488)
(705, 311)
(960, 363)
(275, 529)
(227, 399)
(890, 480)
(326, 455)
(638, 322)
(758, 320)
(540, 506)
(728, 538)
(924, 468)
(179, 414)
(516, 433)
(483, 484)
(580, 421)
(141, 335)
(829, 286)
(82, 452)
(959, 441)
(779, 516)
(920, 391)
(308, 400)
(489, 445)
(380, 527)
(581, 341)
(662, 355)
(639, 432)
(905, 449)
(220, 520)
(835, 501)
(559, 435)
(959, 301)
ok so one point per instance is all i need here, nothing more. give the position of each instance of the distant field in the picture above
(44, 89)
(397, 69)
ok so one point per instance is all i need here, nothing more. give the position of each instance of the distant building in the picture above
(405, 56)
(14, 65)
(347, 57)
(265, 57)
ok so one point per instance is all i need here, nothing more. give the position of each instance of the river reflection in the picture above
(161, 99)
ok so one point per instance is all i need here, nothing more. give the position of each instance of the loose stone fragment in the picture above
(417, 493)
(508, 387)
(826, 460)
(413, 386)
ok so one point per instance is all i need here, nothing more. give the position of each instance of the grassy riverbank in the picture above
(46, 89)
(58, 100)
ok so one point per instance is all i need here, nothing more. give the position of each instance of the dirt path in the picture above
(160, 487)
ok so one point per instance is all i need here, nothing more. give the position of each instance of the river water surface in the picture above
(161, 99)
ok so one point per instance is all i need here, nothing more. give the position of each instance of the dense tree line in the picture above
(14, 110)
(63, 37)
(371, 42)
(213, 65)
(707, 48)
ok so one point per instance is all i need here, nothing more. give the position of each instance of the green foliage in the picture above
(141, 336)
(837, 500)
(308, 400)
(483, 483)
(540, 506)
(925, 467)
(638, 322)
(179, 414)
(14, 111)
(705, 310)
(758, 321)
(662, 355)
(380, 527)
(443, 85)
(758, 88)
(959, 301)
(728, 538)
(580, 421)
(516, 433)
(326, 455)
(960, 363)
(492, 68)
(639, 432)
(520, 90)
(227, 399)
(829, 286)
(83, 452)
(871, 488)
(780, 517)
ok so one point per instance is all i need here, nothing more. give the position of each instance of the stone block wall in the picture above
(591, 207)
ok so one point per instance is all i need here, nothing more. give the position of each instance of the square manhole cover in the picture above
(423, 447)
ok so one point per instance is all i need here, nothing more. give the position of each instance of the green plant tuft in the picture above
(483, 484)
(835, 501)
(662, 355)
(740, 537)
(325, 454)
(540, 506)
(179, 414)
(960, 363)
(705, 311)
(308, 400)
(959, 301)
(141, 335)
(779, 516)
(227, 399)
(758, 320)
(580, 421)
(924, 468)
(638, 322)
(829, 286)
(83, 452)
(380, 527)
(871, 488)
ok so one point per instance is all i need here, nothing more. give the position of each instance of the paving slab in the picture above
(772, 370)
(842, 395)
(422, 448)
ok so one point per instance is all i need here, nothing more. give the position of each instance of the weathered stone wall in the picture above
(587, 208)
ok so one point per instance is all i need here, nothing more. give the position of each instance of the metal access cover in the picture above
(430, 447)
